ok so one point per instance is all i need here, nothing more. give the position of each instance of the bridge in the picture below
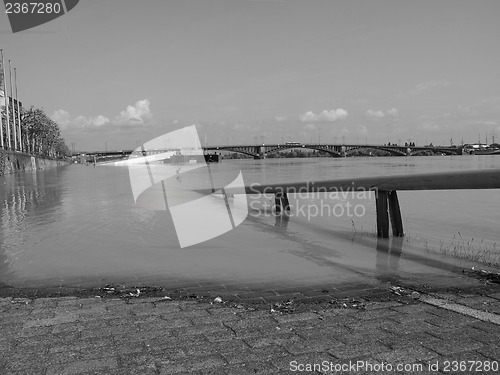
(264, 150)
(335, 150)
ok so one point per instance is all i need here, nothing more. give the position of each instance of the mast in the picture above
(14, 132)
(2, 81)
(19, 134)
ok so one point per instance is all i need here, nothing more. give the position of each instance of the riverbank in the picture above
(119, 331)
(12, 162)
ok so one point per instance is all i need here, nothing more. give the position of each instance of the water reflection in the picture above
(389, 252)
(27, 201)
(281, 221)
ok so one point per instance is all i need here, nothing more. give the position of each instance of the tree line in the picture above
(40, 135)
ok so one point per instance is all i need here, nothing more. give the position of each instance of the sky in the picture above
(117, 73)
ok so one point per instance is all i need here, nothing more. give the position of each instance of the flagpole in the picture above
(7, 103)
(3, 88)
(14, 132)
(19, 133)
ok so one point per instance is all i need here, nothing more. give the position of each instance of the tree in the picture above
(40, 134)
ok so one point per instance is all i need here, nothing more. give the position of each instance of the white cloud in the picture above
(376, 114)
(362, 130)
(308, 116)
(424, 87)
(138, 113)
(393, 112)
(65, 121)
(280, 118)
(240, 126)
(61, 116)
(325, 116)
(99, 120)
(467, 110)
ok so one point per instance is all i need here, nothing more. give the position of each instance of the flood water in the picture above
(79, 225)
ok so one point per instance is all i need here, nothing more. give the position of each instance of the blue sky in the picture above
(117, 72)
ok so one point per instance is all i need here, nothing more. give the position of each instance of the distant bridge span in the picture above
(335, 150)
(262, 151)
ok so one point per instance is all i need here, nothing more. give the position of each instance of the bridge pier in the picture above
(281, 202)
(387, 205)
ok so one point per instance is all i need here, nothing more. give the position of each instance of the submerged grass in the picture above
(478, 251)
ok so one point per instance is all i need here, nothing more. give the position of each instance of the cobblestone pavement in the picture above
(368, 330)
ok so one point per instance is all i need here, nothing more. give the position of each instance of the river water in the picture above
(80, 226)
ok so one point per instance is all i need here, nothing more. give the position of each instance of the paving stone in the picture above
(298, 364)
(446, 347)
(491, 351)
(201, 329)
(211, 318)
(192, 364)
(35, 331)
(192, 314)
(58, 319)
(6, 301)
(206, 348)
(312, 346)
(67, 301)
(262, 323)
(43, 312)
(356, 350)
(296, 317)
(381, 305)
(373, 324)
(477, 302)
(411, 354)
(375, 314)
(279, 339)
(78, 345)
(317, 332)
(255, 354)
(404, 340)
(451, 320)
(494, 295)
(250, 368)
(81, 366)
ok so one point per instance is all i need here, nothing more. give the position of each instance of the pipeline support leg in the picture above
(286, 202)
(395, 214)
(277, 202)
(382, 214)
(281, 202)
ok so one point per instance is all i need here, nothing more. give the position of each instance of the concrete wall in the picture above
(12, 162)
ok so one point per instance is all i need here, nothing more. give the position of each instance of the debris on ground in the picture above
(166, 298)
(399, 291)
(218, 300)
(128, 292)
(348, 303)
(23, 301)
(492, 277)
(285, 307)
(415, 295)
